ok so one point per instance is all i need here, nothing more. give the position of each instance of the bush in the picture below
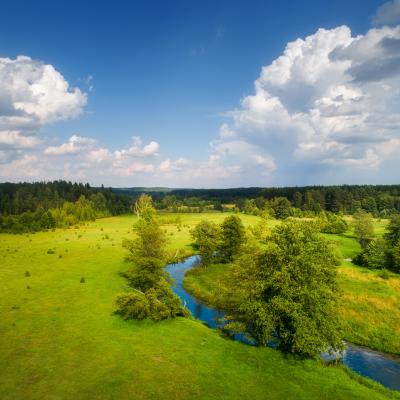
(157, 303)
(384, 274)
(133, 305)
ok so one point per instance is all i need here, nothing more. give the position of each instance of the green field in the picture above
(369, 305)
(59, 338)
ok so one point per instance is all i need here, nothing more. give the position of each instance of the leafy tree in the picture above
(144, 208)
(288, 290)
(151, 295)
(332, 223)
(393, 230)
(281, 207)
(206, 236)
(375, 255)
(363, 227)
(396, 257)
(232, 237)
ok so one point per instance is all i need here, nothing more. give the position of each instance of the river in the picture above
(382, 367)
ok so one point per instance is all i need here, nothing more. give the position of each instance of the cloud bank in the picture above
(326, 111)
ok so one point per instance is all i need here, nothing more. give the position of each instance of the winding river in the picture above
(382, 367)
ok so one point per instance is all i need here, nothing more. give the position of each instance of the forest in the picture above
(31, 207)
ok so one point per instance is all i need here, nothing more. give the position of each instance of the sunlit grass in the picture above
(59, 339)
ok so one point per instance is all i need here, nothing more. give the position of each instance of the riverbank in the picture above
(381, 367)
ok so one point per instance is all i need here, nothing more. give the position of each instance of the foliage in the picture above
(363, 227)
(332, 223)
(144, 209)
(232, 237)
(375, 255)
(288, 290)
(206, 235)
(381, 200)
(218, 242)
(32, 207)
(396, 257)
(393, 230)
(282, 207)
(151, 296)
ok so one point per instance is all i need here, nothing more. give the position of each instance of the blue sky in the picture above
(176, 74)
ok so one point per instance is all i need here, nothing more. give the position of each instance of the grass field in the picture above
(59, 338)
(369, 305)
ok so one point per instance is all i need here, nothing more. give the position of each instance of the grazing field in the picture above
(59, 338)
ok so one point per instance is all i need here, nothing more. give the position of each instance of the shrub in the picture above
(133, 305)
(384, 274)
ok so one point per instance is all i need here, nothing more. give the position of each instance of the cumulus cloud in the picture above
(327, 110)
(17, 140)
(35, 93)
(387, 14)
(75, 145)
(32, 94)
(137, 150)
(329, 99)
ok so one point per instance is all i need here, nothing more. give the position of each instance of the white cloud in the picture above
(37, 92)
(75, 145)
(327, 110)
(99, 155)
(329, 99)
(16, 140)
(387, 14)
(137, 150)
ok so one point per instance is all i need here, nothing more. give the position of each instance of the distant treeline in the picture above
(30, 207)
(379, 200)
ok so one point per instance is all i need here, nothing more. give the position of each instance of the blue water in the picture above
(382, 367)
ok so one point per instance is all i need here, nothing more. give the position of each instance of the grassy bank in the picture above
(59, 338)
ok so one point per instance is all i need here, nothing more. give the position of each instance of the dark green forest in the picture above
(27, 207)
(30, 207)
(379, 200)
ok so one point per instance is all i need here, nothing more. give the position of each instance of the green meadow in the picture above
(369, 305)
(59, 338)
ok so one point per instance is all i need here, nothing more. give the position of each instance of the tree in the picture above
(393, 230)
(147, 253)
(375, 255)
(151, 295)
(232, 237)
(281, 207)
(297, 199)
(206, 235)
(396, 257)
(332, 223)
(288, 290)
(363, 227)
(144, 208)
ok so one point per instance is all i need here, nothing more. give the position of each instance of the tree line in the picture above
(379, 200)
(30, 207)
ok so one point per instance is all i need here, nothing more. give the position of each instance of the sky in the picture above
(210, 94)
